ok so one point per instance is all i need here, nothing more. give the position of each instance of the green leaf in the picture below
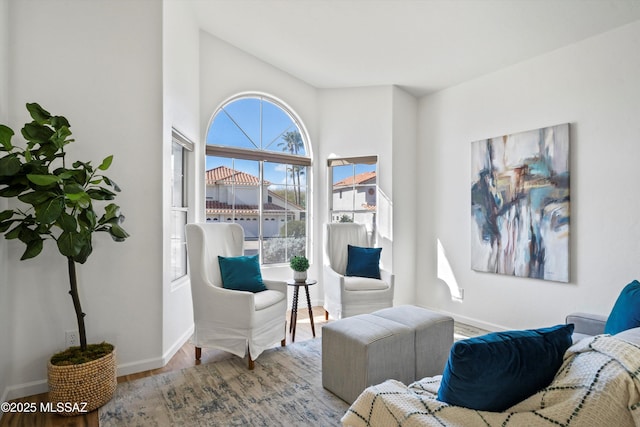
(59, 138)
(13, 190)
(69, 243)
(86, 249)
(82, 200)
(36, 197)
(14, 233)
(34, 247)
(58, 122)
(4, 225)
(67, 222)
(4, 215)
(37, 133)
(101, 194)
(111, 183)
(118, 233)
(9, 165)
(27, 235)
(39, 114)
(43, 180)
(49, 211)
(73, 188)
(87, 218)
(106, 163)
(5, 137)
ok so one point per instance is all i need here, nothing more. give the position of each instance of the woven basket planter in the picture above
(77, 389)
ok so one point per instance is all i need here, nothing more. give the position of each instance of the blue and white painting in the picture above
(520, 204)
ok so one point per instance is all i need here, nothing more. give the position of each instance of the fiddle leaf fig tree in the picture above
(57, 196)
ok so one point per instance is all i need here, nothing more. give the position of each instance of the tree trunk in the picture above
(76, 303)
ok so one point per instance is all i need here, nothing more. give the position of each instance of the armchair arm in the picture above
(587, 323)
(333, 283)
(388, 277)
(276, 285)
(212, 303)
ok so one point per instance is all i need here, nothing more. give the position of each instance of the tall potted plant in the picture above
(57, 202)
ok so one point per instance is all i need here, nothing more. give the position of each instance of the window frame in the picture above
(262, 156)
(187, 146)
(345, 161)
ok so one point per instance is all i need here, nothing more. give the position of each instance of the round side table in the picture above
(294, 306)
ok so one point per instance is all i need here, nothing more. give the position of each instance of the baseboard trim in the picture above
(25, 389)
(471, 321)
(177, 345)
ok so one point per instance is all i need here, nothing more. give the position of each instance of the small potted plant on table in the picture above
(299, 264)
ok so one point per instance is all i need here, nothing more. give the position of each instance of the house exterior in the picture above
(222, 183)
(355, 195)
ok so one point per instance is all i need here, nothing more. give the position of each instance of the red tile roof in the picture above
(363, 178)
(225, 175)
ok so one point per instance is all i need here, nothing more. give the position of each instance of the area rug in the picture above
(285, 388)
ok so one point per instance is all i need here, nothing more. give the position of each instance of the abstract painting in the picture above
(520, 204)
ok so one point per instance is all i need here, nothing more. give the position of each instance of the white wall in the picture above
(407, 190)
(376, 121)
(181, 84)
(5, 319)
(594, 86)
(226, 71)
(100, 65)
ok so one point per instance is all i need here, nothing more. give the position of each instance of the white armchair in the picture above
(346, 296)
(227, 319)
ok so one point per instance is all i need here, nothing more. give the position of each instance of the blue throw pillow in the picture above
(241, 273)
(625, 313)
(495, 371)
(363, 262)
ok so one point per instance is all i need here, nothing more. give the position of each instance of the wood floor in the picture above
(184, 358)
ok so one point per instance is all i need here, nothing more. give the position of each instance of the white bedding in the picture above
(597, 385)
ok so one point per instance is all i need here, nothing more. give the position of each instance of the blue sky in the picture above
(258, 124)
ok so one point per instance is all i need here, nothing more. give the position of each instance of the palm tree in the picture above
(292, 142)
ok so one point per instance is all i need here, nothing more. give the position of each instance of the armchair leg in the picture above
(251, 364)
(198, 353)
(326, 316)
(284, 340)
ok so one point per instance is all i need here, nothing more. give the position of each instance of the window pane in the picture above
(178, 244)
(285, 211)
(265, 195)
(233, 195)
(354, 194)
(177, 175)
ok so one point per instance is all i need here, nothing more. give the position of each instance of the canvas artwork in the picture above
(520, 204)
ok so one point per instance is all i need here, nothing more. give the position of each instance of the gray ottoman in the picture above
(433, 340)
(363, 350)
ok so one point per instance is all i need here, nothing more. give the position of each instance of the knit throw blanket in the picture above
(597, 385)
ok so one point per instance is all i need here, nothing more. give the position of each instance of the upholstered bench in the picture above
(363, 350)
(433, 339)
(405, 343)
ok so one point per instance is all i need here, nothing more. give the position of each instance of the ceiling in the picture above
(420, 45)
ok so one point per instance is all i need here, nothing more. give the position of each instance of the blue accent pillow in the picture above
(495, 371)
(363, 262)
(625, 313)
(241, 273)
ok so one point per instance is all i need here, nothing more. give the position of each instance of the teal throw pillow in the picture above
(625, 313)
(495, 371)
(241, 273)
(363, 262)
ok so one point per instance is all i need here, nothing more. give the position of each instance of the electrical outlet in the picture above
(71, 338)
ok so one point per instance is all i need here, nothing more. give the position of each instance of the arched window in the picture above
(257, 167)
